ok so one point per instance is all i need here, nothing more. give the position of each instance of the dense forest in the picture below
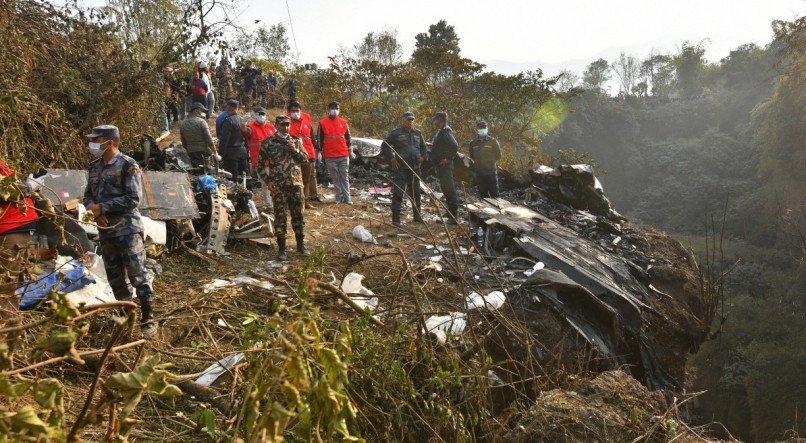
(692, 147)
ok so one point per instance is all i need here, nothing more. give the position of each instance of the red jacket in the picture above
(334, 142)
(256, 133)
(303, 129)
(12, 217)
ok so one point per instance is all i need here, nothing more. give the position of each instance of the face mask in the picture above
(260, 118)
(296, 115)
(482, 132)
(334, 112)
(95, 149)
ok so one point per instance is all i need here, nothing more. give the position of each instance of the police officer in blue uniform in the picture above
(405, 149)
(113, 193)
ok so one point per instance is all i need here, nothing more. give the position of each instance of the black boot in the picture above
(451, 218)
(418, 217)
(396, 218)
(301, 245)
(148, 326)
(281, 255)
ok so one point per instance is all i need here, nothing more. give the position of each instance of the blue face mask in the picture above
(482, 132)
(96, 150)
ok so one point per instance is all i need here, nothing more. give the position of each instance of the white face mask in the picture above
(95, 149)
(260, 118)
(334, 112)
(296, 115)
(482, 132)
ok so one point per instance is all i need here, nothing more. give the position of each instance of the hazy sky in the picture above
(515, 35)
(524, 31)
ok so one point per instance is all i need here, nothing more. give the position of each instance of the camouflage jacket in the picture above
(117, 187)
(278, 163)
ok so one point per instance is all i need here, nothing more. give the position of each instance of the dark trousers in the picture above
(198, 159)
(446, 183)
(126, 256)
(405, 181)
(236, 166)
(487, 184)
(173, 110)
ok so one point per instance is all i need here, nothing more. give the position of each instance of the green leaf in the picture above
(26, 420)
(10, 390)
(48, 394)
(206, 419)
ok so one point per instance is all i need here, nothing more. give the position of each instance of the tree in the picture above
(626, 69)
(439, 36)
(382, 47)
(596, 74)
(273, 43)
(657, 71)
(689, 66)
(567, 80)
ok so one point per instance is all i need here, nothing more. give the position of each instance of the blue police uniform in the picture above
(409, 148)
(117, 188)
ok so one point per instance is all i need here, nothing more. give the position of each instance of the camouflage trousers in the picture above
(126, 256)
(288, 199)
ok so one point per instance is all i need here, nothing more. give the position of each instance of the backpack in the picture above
(198, 90)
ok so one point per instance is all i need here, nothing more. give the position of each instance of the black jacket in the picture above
(444, 146)
(230, 140)
(410, 145)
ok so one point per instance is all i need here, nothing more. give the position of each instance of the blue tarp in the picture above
(206, 183)
(32, 293)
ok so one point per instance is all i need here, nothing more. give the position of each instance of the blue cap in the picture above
(105, 131)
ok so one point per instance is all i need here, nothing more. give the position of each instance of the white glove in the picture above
(352, 154)
(217, 157)
(318, 156)
(32, 183)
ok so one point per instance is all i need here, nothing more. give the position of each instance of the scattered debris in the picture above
(442, 326)
(363, 234)
(219, 283)
(211, 374)
(490, 302)
(362, 296)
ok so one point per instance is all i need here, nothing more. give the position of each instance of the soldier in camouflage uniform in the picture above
(223, 76)
(262, 89)
(279, 160)
(113, 192)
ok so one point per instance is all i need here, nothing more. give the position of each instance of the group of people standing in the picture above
(405, 149)
(251, 85)
(282, 155)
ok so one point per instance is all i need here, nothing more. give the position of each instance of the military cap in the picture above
(408, 115)
(282, 119)
(481, 124)
(197, 105)
(105, 131)
(260, 110)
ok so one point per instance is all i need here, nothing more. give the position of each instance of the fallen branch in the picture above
(80, 354)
